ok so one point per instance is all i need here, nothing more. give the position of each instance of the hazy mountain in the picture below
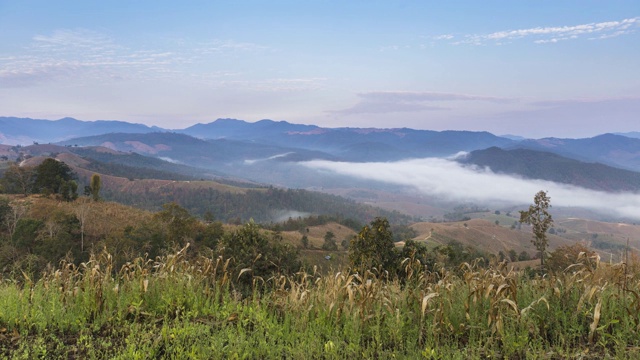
(25, 131)
(533, 164)
(110, 162)
(269, 151)
(148, 182)
(633, 134)
(614, 150)
(242, 130)
(350, 144)
(264, 138)
(186, 149)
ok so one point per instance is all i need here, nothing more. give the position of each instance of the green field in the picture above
(180, 307)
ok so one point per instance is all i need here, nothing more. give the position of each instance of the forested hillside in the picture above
(150, 186)
(544, 165)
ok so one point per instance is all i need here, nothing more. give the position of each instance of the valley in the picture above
(235, 171)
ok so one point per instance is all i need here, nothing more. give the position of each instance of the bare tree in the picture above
(18, 210)
(19, 179)
(82, 210)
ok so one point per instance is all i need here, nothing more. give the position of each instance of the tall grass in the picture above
(175, 308)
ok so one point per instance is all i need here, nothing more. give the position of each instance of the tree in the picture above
(19, 179)
(373, 247)
(82, 211)
(55, 177)
(524, 256)
(567, 255)
(176, 223)
(330, 242)
(19, 209)
(95, 185)
(252, 249)
(539, 218)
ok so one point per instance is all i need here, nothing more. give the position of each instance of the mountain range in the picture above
(269, 152)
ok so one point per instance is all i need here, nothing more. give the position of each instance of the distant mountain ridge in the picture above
(610, 149)
(268, 151)
(349, 144)
(533, 164)
(25, 131)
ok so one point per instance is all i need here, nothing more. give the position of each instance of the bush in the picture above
(565, 256)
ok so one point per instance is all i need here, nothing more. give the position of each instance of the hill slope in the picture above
(614, 150)
(534, 164)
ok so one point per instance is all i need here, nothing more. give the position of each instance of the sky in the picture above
(530, 68)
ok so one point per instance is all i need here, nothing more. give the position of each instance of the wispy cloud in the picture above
(275, 84)
(450, 180)
(586, 102)
(550, 34)
(66, 39)
(218, 46)
(443, 37)
(80, 52)
(35, 74)
(408, 96)
(380, 102)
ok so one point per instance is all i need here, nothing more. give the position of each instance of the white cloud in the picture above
(101, 57)
(443, 37)
(450, 180)
(553, 34)
(381, 102)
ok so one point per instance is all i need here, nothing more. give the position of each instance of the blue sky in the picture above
(531, 68)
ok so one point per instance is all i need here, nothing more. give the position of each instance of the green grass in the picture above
(175, 308)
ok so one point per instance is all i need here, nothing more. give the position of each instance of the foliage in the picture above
(403, 232)
(51, 175)
(304, 241)
(564, 257)
(94, 187)
(541, 221)
(177, 306)
(254, 254)
(257, 204)
(455, 253)
(524, 256)
(330, 242)
(301, 223)
(19, 179)
(373, 248)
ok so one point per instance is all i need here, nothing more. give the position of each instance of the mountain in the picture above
(614, 150)
(242, 130)
(14, 131)
(148, 183)
(275, 138)
(186, 149)
(277, 160)
(350, 144)
(632, 134)
(533, 164)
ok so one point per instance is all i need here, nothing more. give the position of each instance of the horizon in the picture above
(528, 69)
(151, 126)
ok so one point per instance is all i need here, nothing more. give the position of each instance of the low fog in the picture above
(253, 161)
(279, 216)
(452, 181)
